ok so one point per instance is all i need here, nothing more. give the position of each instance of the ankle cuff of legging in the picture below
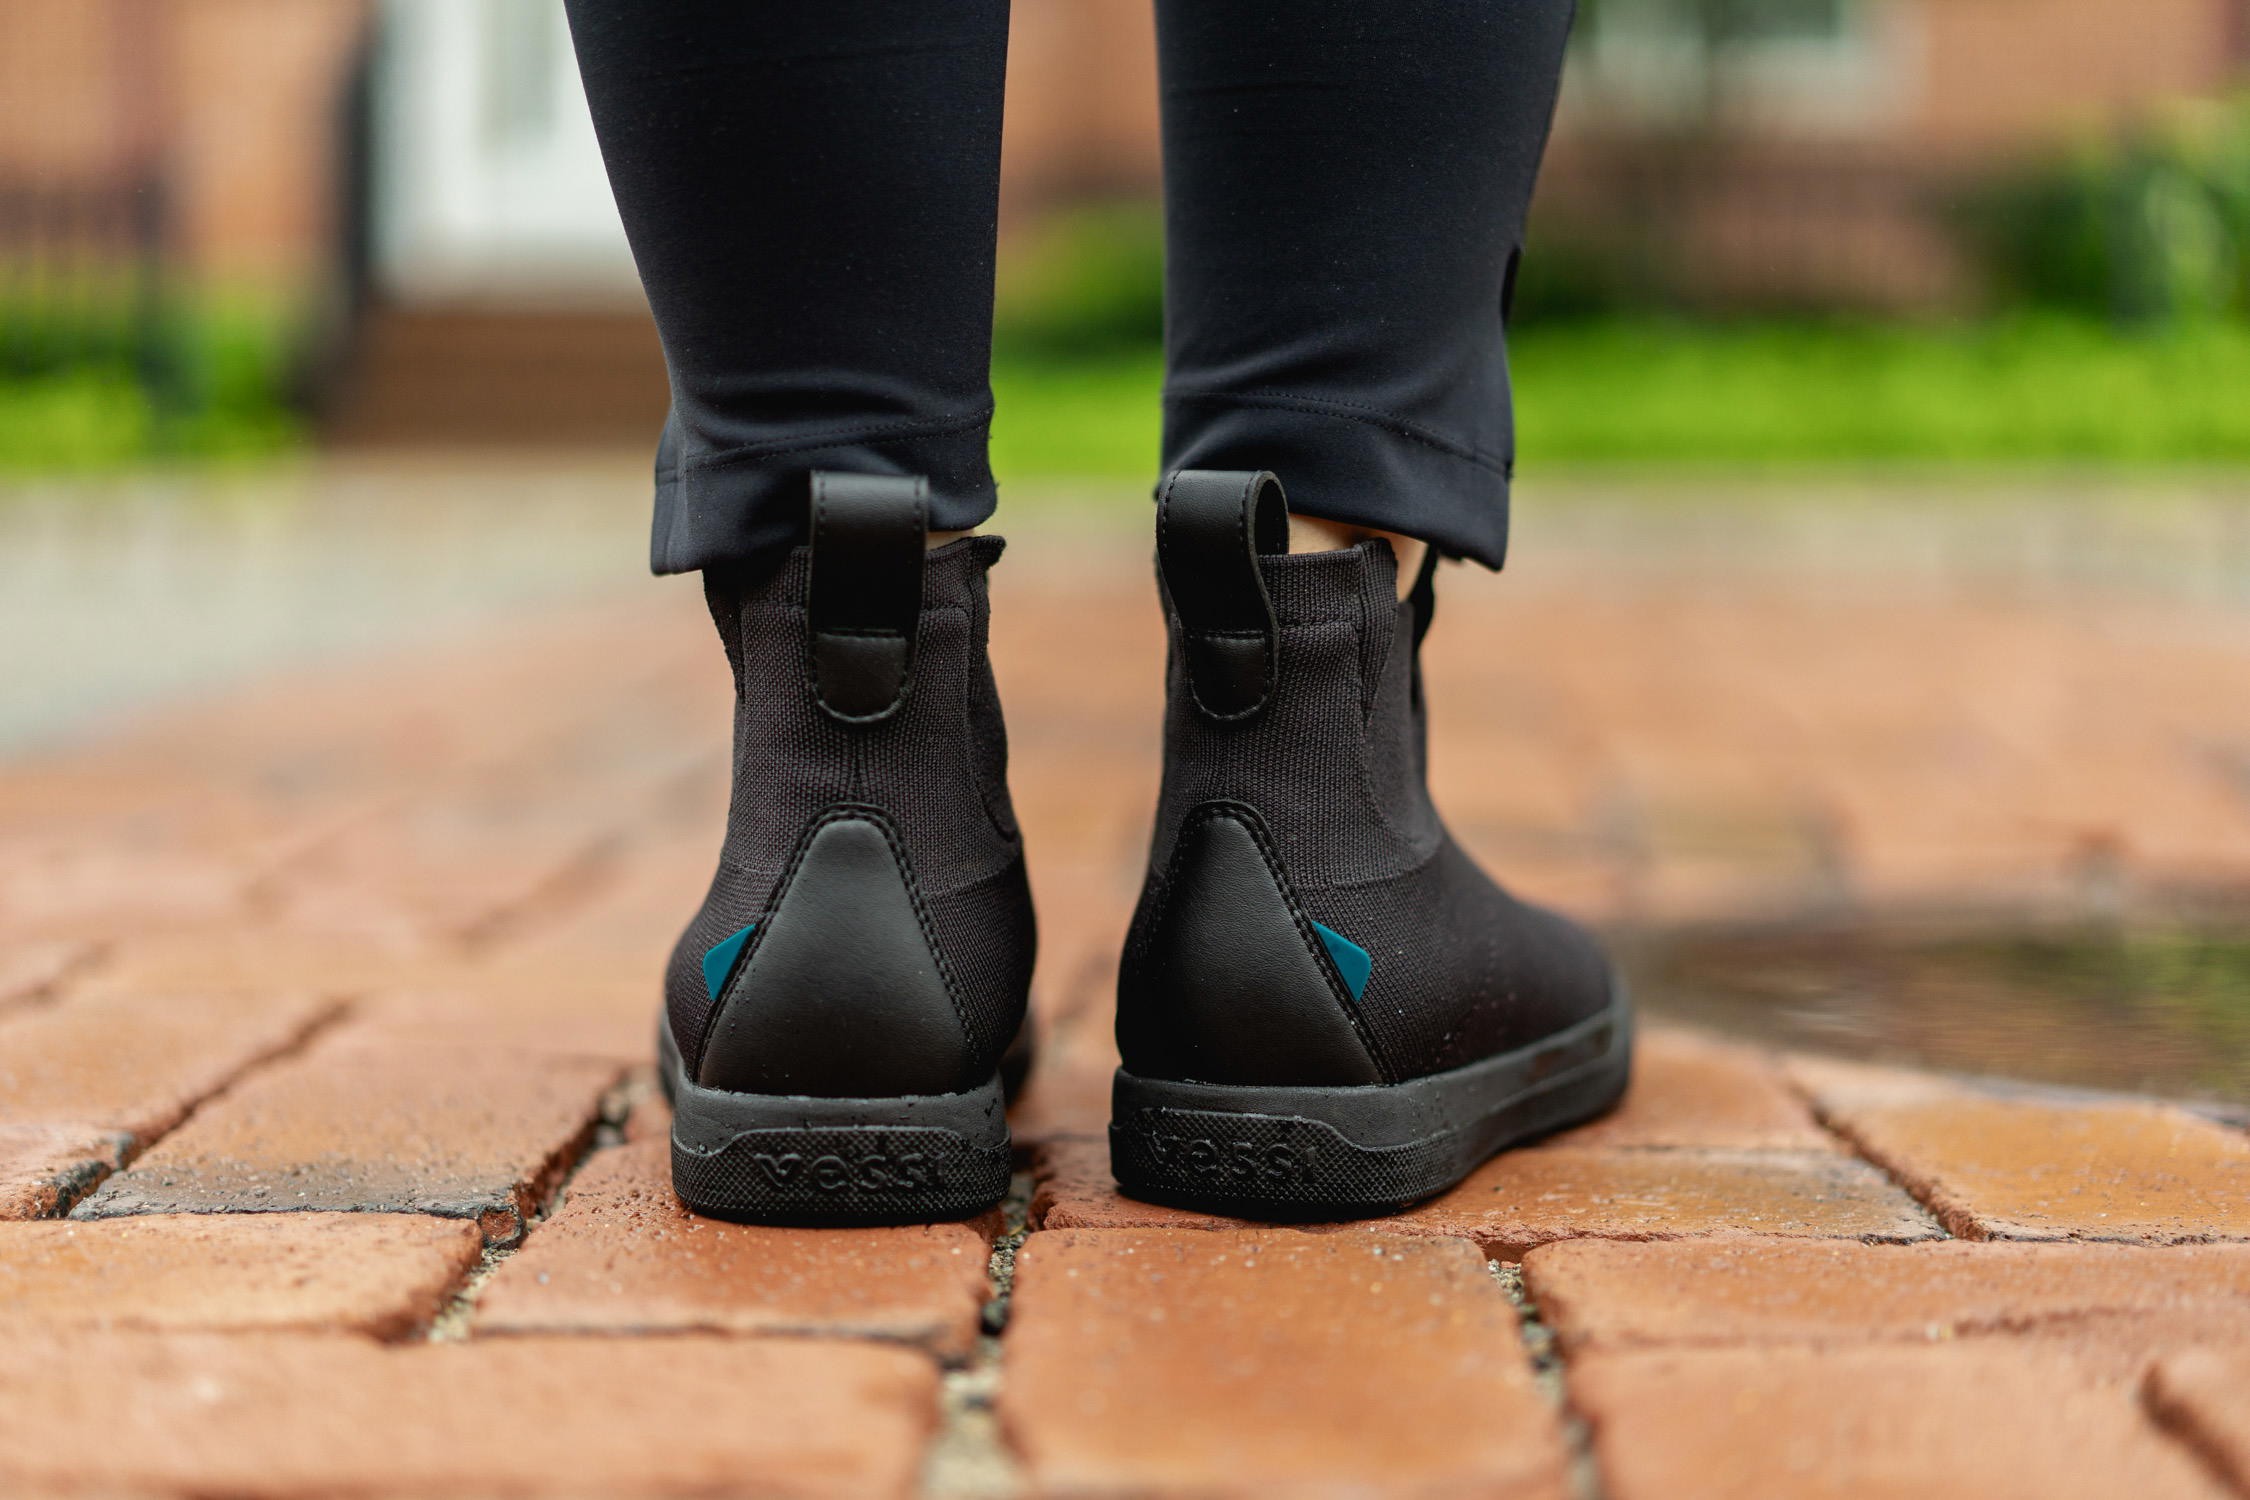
(1361, 470)
(747, 508)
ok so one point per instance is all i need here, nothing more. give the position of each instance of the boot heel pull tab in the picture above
(864, 599)
(1212, 526)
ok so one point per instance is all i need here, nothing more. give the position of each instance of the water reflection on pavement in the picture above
(2149, 1004)
(119, 593)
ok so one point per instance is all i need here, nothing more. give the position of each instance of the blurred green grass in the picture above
(1092, 417)
(2032, 390)
(90, 421)
(73, 400)
(2017, 391)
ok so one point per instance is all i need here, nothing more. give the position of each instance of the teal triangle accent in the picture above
(718, 964)
(1350, 958)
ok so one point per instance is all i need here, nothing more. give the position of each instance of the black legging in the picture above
(811, 189)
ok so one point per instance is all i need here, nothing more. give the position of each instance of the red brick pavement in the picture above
(1882, 1420)
(324, 1012)
(375, 1273)
(2198, 1395)
(1264, 1362)
(2022, 1169)
(623, 1256)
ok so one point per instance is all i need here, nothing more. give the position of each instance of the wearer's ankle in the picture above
(937, 539)
(1318, 534)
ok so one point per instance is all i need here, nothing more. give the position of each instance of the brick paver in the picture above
(31, 970)
(1600, 1297)
(623, 1256)
(1692, 1090)
(380, 1274)
(87, 1080)
(1998, 1166)
(72, 888)
(1167, 1362)
(372, 1122)
(44, 1168)
(2203, 1395)
(135, 1064)
(1998, 1422)
(255, 957)
(438, 875)
(567, 1010)
(1076, 1191)
(277, 1415)
(1534, 1197)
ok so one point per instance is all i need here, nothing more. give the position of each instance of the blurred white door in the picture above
(488, 185)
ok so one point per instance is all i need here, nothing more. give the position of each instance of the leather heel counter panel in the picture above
(1221, 982)
(841, 994)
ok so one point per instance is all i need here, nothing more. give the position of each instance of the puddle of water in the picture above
(2155, 1007)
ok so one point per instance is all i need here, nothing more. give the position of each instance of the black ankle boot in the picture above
(840, 1011)
(1325, 1008)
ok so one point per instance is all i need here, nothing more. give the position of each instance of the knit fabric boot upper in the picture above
(929, 781)
(1433, 965)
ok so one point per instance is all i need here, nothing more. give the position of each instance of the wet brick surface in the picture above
(316, 996)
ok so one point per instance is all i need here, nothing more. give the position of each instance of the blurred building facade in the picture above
(1814, 152)
(427, 166)
(150, 146)
(231, 110)
(1799, 152)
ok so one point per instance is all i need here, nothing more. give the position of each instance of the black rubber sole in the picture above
(1341, 1153)
(797, 1159)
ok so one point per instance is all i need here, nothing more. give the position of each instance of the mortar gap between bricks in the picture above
(260, 893)
(457, 1311)
(2180, 1425)
(131, 1148)
(1852, 1144)
(1547, 1369)
(87, 960)
(969, 1457)
(574, 882)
